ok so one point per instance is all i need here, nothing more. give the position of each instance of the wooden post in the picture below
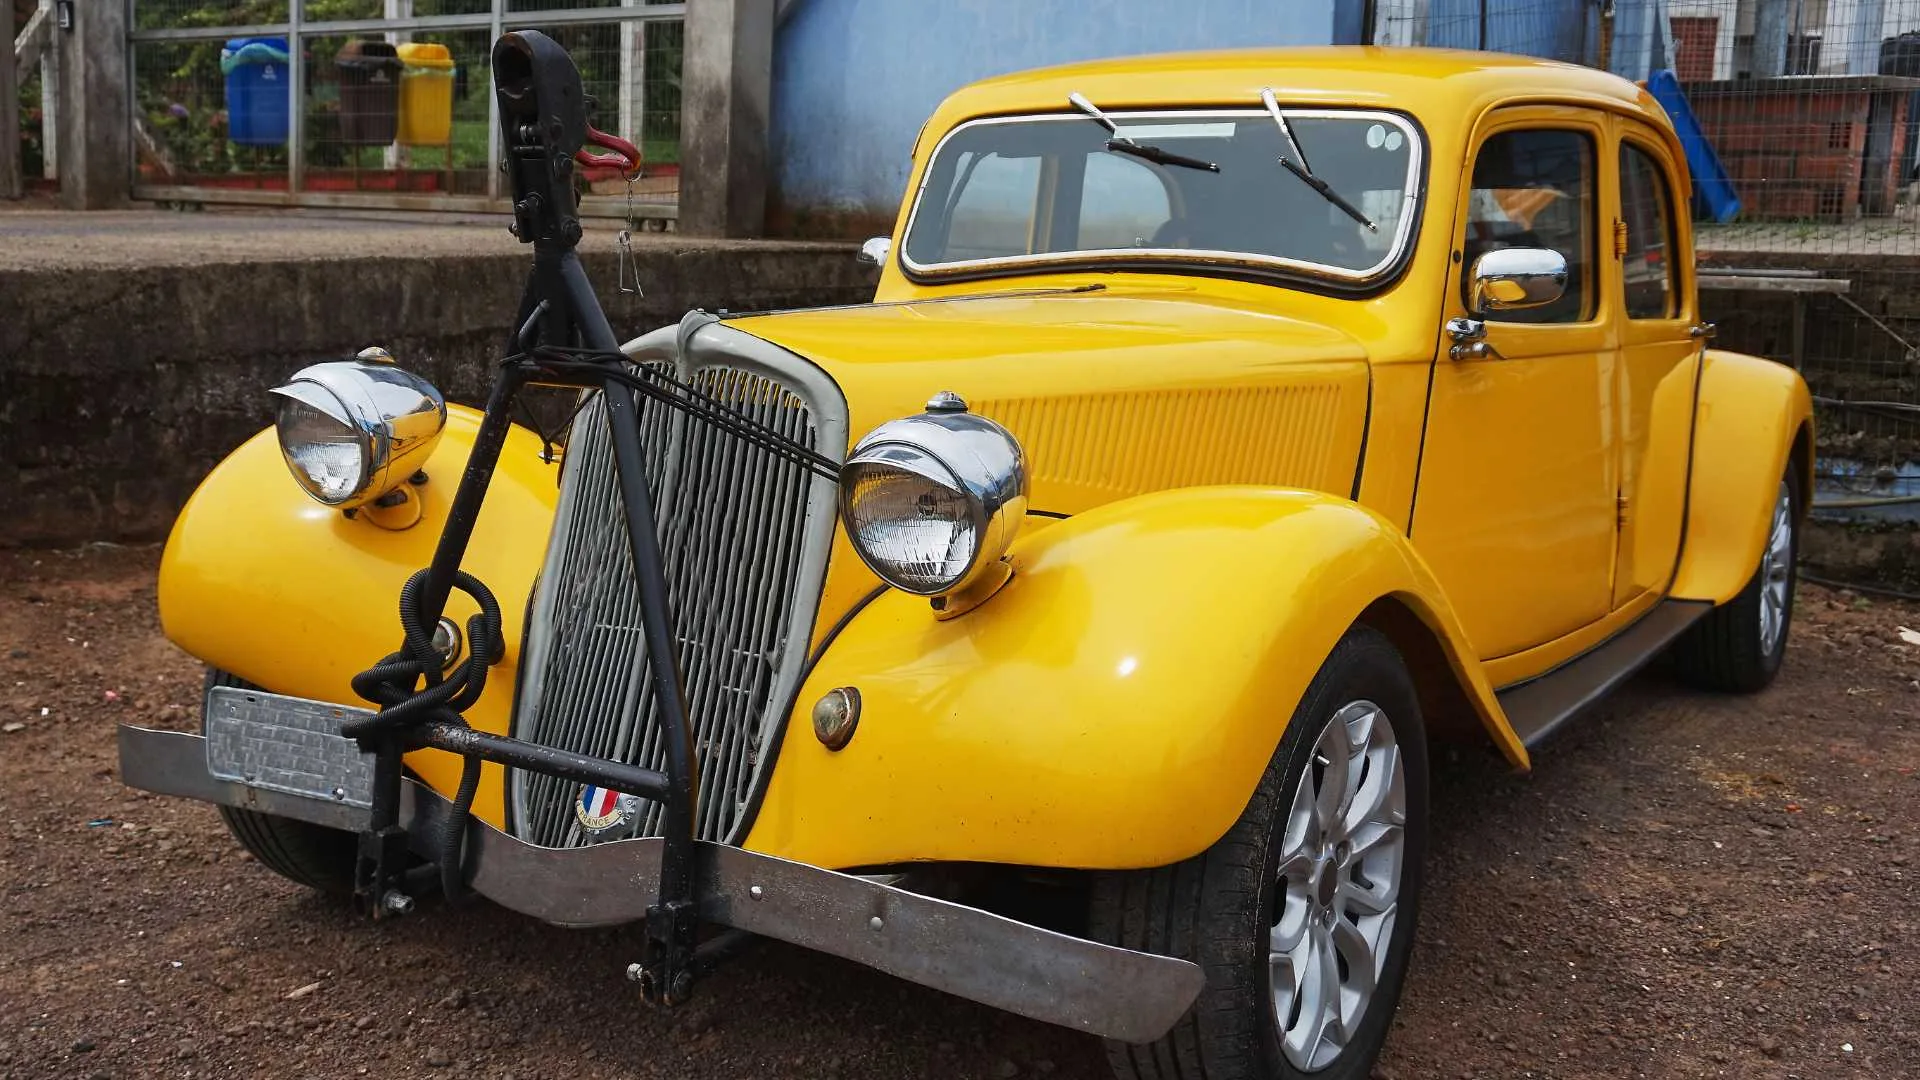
(96, 122)
(12, 183)
(726, 79)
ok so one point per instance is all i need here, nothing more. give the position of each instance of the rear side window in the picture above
(1646, 207)
(1535, 188)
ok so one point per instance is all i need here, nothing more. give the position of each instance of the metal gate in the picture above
(383, 104)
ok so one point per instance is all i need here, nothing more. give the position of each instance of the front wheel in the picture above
(1302, 915)
(305, 854)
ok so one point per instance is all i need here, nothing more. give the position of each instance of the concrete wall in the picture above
(855, 79)
(121, 388)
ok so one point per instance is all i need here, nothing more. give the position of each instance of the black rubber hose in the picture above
(391, 685)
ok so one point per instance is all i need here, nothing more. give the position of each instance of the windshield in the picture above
(1006, 193)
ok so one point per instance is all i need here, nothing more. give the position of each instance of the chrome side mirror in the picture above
(1513, 278)
(875, 251)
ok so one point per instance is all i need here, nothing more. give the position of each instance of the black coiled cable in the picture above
(390, 684)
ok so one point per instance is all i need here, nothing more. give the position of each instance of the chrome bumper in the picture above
(974, 954)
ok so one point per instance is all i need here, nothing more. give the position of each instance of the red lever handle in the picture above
(624, 160)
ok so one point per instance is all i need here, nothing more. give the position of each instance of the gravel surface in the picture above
(1687, 886)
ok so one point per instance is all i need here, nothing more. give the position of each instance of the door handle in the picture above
(1470, 340)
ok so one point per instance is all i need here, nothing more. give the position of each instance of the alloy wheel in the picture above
(1341, 861)
(1776, 568)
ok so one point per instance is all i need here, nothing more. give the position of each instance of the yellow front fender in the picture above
(1116, 703)
(262, 581)
(1753, 415)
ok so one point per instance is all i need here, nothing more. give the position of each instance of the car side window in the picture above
(993, 217)
(1645, 207)
(1122, 203)
(1535, 188)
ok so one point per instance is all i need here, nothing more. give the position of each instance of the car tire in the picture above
(1226, 910)
(1737, 647)
(304, 853)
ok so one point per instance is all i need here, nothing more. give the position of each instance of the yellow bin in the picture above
(426, 95)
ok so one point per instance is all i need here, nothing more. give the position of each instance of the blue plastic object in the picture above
(1713, 193)
(257, 83)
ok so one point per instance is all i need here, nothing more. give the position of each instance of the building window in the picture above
(1694, 41)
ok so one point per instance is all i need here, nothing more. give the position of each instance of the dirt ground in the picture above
(1687, 886)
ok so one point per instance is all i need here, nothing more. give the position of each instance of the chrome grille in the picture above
(744, 537)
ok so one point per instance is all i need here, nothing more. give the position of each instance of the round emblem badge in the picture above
(600, 810)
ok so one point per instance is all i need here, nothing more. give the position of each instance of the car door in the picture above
(1515, 509)
(1659, 359)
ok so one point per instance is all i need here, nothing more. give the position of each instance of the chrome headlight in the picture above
(353, 430)
(931, 501)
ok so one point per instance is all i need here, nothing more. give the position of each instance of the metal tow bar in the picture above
(544, 130)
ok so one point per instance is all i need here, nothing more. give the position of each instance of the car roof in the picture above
(1449, 85)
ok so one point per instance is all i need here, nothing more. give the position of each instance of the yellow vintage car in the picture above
(1226, 429)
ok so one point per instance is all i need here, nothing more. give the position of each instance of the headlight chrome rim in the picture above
(395, 417)
(969, 456)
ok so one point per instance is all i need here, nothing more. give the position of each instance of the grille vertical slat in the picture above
(748, 620)
(743, 535)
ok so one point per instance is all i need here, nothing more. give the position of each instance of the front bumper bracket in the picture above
(974, 954)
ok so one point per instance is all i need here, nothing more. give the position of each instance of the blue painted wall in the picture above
(1556, 29)
(1566, 30)
(853, 80)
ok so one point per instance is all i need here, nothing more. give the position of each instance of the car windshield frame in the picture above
(1212, 261)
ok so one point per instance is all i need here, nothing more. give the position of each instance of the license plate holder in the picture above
(286, 744)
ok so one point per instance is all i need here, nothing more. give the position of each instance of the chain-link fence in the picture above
(384, 103)
(1802, 124)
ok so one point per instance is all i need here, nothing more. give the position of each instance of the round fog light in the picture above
(835, 716)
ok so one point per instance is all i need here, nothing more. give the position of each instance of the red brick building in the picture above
(1824, 148)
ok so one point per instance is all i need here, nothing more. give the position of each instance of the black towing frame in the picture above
(409, 834)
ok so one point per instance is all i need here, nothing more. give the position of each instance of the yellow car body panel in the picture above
(262, 581)
(1754, 416)
(1244, 467)
(1056, 724)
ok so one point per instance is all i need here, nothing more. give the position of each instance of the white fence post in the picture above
(633, 75)
(296, 96)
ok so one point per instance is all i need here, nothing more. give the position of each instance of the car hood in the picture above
(1111, 392)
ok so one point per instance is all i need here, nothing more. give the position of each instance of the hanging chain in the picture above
(629, 279)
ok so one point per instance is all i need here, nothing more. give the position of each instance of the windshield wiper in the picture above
(1305, 171)
(1120, 144)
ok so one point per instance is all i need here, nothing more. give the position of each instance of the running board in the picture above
(1538, 707)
